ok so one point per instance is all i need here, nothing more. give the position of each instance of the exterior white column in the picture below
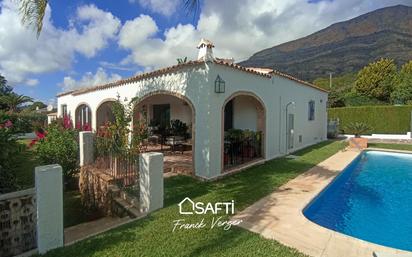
(49, 197)
(151, 181)
(86, 147)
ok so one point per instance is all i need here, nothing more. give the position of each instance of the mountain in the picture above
(343, 47)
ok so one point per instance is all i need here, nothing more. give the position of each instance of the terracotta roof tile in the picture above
(257, 71)
(133, 79)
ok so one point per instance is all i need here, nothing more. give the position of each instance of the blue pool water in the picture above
(370, 200)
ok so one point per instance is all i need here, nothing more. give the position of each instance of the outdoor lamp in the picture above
(219, 85)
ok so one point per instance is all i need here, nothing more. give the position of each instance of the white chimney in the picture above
(205, 50)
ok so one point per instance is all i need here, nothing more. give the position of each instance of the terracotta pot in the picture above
(358, 142)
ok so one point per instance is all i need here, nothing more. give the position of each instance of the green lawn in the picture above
(407, 147)
(153, 236)
(74, 212)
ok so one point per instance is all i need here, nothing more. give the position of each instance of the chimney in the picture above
(205, 50)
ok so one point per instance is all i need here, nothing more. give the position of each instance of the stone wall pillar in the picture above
(49, 197)
(151, 181)
(86, 144)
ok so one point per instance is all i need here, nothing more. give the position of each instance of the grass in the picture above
(74, 212)
(407, 147)
(153, 236)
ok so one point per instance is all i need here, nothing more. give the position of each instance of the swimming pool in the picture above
(371, 200)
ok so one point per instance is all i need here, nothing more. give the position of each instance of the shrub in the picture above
(358, 128)
(9, 150)
(24, 122)
(60, 146)
(383, 119)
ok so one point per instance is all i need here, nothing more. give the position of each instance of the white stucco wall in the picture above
(196, 83)
(245, 114)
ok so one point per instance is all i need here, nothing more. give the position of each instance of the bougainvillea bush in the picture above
(59, 145)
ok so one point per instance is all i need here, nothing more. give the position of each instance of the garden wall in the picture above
(17, 222)
(382, 119)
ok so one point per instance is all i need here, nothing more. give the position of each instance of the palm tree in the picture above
(13, 100)
(32, 11)
(4, 88)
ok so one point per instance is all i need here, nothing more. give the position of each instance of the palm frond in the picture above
(32, 13)
(191, 6)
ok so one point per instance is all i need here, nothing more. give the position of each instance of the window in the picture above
(312, 110)
(64, 109)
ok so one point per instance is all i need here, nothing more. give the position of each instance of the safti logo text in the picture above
(187, 207)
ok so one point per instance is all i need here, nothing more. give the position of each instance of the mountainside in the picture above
(343, 47)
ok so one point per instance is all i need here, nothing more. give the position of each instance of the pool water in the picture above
(370, 200)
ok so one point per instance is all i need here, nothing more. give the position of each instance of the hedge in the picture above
(382, 119)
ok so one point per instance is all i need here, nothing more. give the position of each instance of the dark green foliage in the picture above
(178, 128)
(383, 119)
(13, 101)
(8, 155)
(402, 93)
(24, 122)
(34, 106)
(60, 146)
(353, 99)
(376, 80)
(338, 82)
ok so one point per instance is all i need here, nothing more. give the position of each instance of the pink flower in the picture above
(8, 124)
(40, 135)
(87, 127)
(67, 122)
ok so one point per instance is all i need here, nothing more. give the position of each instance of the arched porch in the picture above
(170, 122)
(243, 130)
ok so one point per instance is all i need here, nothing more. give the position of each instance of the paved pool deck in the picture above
(278, 216)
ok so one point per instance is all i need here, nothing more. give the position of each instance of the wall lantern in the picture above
(219, 85)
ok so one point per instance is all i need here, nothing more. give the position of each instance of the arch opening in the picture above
(243, 130)
(170, 122)
(83, 118)
(104, 114)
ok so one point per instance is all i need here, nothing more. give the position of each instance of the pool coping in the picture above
(279, 215)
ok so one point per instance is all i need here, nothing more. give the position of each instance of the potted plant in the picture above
(358, 128)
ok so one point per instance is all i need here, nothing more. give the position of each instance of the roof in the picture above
(287, 76)
(133, 79)
(264, 72)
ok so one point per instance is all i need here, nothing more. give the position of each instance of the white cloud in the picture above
(165, 7)
(237, 28)
(89, 79)
(21, 54)
(32, 82)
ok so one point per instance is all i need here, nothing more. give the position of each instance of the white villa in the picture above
(213, 96)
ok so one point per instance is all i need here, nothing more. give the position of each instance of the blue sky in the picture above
(85, 43)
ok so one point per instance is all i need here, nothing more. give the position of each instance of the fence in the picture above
(242, 149)
(146, 170)
(121, 164)
(32, 220)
